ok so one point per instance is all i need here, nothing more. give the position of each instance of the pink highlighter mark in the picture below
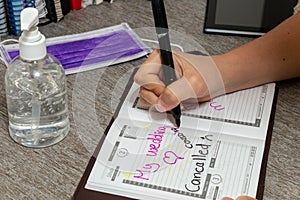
(171, 158)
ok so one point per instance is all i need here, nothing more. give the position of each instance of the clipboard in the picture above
(81, 193)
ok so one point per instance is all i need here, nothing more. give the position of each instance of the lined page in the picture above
(151, 160)
(244, 107)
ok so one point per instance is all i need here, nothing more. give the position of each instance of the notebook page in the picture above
(146, 160)
(248, 110)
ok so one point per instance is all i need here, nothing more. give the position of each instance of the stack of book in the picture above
(3, 20)
(49, 11)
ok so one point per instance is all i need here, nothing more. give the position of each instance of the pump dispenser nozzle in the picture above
(32, 42)
(29, 18)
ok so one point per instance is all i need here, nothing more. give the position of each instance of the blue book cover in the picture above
(3, 19)
(14, 8)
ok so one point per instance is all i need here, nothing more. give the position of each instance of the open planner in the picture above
(220, 150)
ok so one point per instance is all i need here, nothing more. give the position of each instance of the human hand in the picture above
(198, 79)
(239, 198)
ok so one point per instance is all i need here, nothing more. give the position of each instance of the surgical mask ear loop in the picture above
(156, 42)
(5, 52)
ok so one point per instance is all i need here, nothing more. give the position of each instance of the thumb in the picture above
(167, 100)
(176, 92)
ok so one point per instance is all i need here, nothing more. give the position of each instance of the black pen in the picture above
(161, 24)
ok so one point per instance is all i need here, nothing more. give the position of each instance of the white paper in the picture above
(145, 157)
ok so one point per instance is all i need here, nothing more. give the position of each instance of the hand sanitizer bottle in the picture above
(35, 85)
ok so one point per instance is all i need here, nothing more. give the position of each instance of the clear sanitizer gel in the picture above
(36, 90)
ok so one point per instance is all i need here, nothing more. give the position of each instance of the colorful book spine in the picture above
(10, 11)
(14, 8)
(75, 4)
(3, 20)
(57, 9)
(65, 6)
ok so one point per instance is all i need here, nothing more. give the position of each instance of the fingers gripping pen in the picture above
(162, 31)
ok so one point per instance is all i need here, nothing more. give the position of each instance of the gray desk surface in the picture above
(54, 172)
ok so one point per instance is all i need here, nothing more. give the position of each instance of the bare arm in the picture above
(272, 57)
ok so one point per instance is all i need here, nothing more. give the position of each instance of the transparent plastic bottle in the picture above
(35, 85)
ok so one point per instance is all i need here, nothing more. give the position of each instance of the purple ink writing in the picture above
(215, 105)
(147, 170)
(156, 139)
(141, 175)
(171, 158)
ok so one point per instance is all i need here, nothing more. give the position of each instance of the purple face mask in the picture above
(94, 49)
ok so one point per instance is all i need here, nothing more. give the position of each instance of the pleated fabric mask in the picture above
(91, 50)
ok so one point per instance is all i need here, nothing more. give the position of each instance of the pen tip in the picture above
(178, 123)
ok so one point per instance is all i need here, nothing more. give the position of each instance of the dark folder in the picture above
(81, 193)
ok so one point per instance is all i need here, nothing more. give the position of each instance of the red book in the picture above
(75, 4)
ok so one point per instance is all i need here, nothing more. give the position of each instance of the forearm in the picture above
(272, 57)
